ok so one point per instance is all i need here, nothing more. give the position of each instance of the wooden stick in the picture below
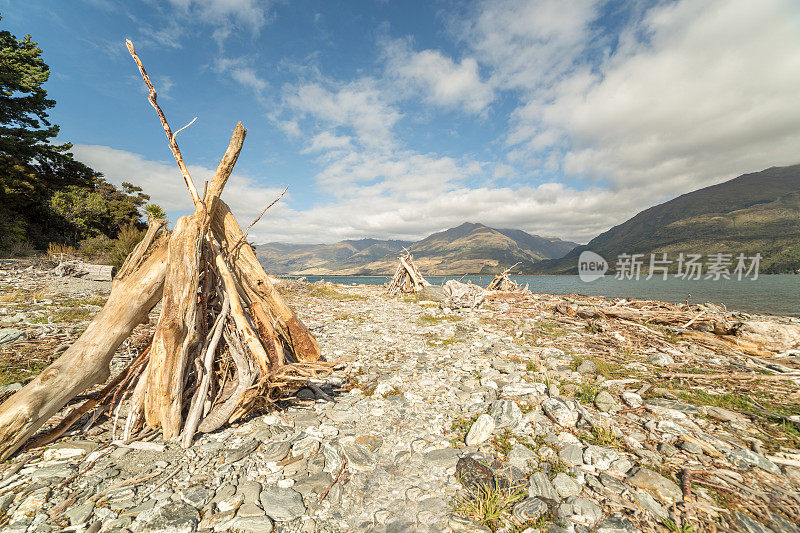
(196, 409)
(220, 414)
(176, 152)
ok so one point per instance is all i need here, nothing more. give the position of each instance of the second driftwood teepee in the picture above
(225, 341)
(407, 278)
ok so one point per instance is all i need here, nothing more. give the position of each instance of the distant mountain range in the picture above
(467, 249)
(754, 213)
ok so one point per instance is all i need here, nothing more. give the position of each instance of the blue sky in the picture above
(398, 119)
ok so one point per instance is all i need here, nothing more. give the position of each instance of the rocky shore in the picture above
(508, 417)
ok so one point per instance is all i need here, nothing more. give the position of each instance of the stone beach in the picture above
(426, 411)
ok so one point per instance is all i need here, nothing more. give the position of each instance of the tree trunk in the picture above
(86, 362)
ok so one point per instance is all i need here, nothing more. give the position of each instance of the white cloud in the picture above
(442, 80)
(252, 14)
(326, 140)
(710, 94)
(528, 44)
(359, 106)
(163, 182)
(418, 194)
(241, 72)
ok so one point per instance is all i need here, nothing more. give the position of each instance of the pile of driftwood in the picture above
(225, 342)
(502, 282)
(706, 325)
(407, 278)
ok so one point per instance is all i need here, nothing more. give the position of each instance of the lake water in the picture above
(777, 294)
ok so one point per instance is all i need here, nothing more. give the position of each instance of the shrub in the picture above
(129, 236)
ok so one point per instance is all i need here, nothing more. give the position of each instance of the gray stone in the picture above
(196, 496)
(616, 524)
(261, 524)
(506, 414)
(722, 414)
(565, 485)
(745, 458)
(749, 525)
(241, 451)
(541, 487)
(580, 510)
(657, 485)
(667, 449)
(529, 509)
(648, 503)
(68, 450)
(587, 367)
(275, 451)
(558, 410)
(632, 399)
(249, 490)
(572, 454)
(359, 459)
(432, 293)
(8, 335)
(51, 472)
(480, 431)
(249, 510)
(307, 446)
(600, 457)
(522, 457)
(313, 484)
(333, 458)
(605, 402)
(444, 458)
(282, 504)
(174, 517)
(458, 524)
(306, 419)
(691, 447)
(139, 509)
(79, 514)
(660, 359)
(612, 484)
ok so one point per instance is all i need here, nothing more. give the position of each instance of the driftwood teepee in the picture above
(502, 282)
(407, 278)
(225, 341)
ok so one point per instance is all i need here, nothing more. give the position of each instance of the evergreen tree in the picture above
(45, 194)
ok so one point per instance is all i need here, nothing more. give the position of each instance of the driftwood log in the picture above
(225, 343)
(135, 291)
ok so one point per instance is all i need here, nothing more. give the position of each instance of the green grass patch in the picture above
(488, 505)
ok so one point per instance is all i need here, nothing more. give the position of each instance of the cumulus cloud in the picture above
(710, 92)
(359, 106)
(439, 78)
(163, 182)
(240, 70)
(528, 43)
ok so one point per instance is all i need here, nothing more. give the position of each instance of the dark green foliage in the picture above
(45, 194)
